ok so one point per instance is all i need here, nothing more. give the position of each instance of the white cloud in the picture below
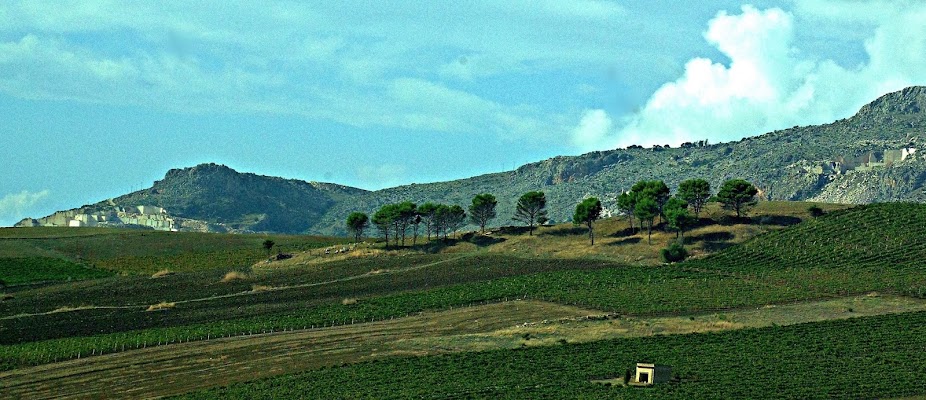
(770, 84)
(16, 205)
(594, 126)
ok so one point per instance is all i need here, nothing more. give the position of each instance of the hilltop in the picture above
(212, 197)
(869, 157)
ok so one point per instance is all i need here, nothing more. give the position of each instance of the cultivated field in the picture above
(476, 293)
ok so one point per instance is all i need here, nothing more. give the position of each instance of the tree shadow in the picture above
(435, 246)
(624, 232)
(626, 240)
(572, 231)
(513, 230)
(713, 241)
(483, 240)
(704, 221)
(778, 220)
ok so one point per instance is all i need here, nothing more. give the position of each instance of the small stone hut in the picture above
(649, 374)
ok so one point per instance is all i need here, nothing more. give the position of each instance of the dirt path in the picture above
(181, 368)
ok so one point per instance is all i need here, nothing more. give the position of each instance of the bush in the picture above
(674, 253)
(815, 211)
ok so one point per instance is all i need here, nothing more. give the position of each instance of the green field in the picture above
(847, 252)
(135, 252)
(18, 271)
(857, 358)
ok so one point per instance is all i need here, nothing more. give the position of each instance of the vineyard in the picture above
(845, 252)
(869, 357)
(872, 247)
(16, 271)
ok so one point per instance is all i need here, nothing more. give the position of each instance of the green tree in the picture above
(268, 245)
(482, 210)
(456, 218)
(737, 195)
(384, 220)
(448, 218)
(405, 212)
(677, 216)
(626, 203)
(426, 212)
(531, 208)
(646, 210)
(656, 190)
(696, 193)
(357, 222)
(416, 222)
(439, 219)
(587, 212)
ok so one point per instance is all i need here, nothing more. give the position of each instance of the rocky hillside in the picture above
(876, 155)
(865, 158)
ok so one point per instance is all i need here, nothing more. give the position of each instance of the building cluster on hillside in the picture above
(147, 216)
(864, 162)
(870, 160)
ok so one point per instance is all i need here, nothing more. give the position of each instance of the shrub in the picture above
(234, 276)
(674, 253)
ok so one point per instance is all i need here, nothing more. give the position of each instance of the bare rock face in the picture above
(26, 223)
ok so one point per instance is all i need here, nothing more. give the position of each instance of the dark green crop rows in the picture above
(16, 271)
(629, 290)
(872, 247)
(870, 357)
(887, 236)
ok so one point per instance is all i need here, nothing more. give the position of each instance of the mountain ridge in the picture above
(869, 157)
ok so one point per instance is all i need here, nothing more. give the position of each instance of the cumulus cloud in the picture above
(16, 205)
(594, 126)
(769, 83)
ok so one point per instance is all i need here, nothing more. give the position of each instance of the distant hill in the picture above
(211, 197)
(876, 155)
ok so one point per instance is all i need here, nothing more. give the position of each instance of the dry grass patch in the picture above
(161, 306)
(583, 329)
(349, 302)
(261, 288)
(162, 273)
(69, 309)
(232, 276)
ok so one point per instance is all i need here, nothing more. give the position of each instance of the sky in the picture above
(100, 98)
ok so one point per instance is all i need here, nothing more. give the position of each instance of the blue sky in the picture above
(99, 98)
